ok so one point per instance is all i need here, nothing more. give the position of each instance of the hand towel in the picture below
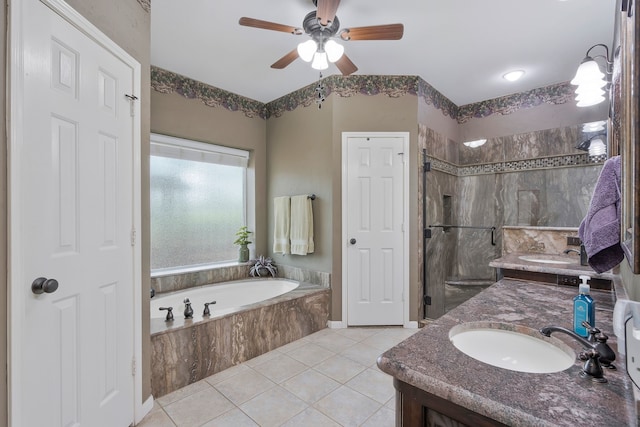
(301, 225)
(600, 229)
(282, 224)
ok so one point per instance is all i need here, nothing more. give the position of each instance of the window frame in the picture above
(187, 149)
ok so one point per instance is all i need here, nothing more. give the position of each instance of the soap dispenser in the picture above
(584, 309)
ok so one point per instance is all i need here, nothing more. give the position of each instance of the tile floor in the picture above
(329, 378)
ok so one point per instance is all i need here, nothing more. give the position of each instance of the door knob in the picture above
(43, 285)
(352, 241)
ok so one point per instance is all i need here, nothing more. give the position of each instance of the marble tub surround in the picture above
(429, 361)
(186, 351)
(537, 240)
(175, 282)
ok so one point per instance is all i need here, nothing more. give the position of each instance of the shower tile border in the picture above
(551, 162)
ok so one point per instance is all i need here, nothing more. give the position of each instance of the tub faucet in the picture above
(188, 311)
(206, 311)
(169, 317)
(592, 367)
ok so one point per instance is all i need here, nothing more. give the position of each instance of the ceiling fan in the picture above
(323, 26)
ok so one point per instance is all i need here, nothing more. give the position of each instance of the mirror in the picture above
(625, 128)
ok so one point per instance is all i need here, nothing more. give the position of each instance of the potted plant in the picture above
(262, 266)
(242, 239)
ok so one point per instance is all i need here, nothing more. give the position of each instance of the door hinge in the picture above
(133, 237)
(131, 99)
(133, 367)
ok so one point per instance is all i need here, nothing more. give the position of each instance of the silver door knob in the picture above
(352, 241)
(43, 285)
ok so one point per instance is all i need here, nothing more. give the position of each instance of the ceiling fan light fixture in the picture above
(320, 61)
(307, 49)
(334, 50)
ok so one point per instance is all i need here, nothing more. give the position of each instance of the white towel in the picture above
(301, 225)
(282, 224)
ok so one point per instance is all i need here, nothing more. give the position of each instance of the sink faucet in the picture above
(592, 367)
(584, 259)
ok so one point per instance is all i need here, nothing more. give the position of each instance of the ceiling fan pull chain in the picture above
(320, 91)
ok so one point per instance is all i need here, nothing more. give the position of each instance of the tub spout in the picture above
(592, 367)
(206, 311)
(188, 311)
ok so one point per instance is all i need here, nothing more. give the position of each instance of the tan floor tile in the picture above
(334, 342)
(339, 368)
(311, 354)
(244, 386)
(226, 374)
(373, 384)
(293, 345)
(273, 407)
(310, 385)
(384, 340)
(181, 393)
(359, 334)
(156, 418)
(273, 354)
(199, 408)
(362, 353)
(384, 417)
(311, 418)
(347, 406)
(232, 418)
(281, 368)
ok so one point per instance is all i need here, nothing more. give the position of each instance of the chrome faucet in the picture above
(592, 367)
(584, 259)
(188, 311)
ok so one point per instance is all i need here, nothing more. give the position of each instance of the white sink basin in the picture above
(547, 259)
(512, 347)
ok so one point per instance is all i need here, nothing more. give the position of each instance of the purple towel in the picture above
(600, 229)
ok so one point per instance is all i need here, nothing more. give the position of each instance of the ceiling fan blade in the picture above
(327, 11)
(345, 65)
(374, 32)
(285, 60)
(266, 25)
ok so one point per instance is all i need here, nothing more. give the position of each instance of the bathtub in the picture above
(228, 296)
(250, 318)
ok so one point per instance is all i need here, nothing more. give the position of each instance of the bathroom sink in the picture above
(547, 259)
(512, 347)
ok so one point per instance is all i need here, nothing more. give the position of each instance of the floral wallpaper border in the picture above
(165, 81)
(146, 5)
(347, 86)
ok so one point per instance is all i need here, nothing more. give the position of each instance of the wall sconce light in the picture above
(594, 145)
(591, 80)
(475, 144)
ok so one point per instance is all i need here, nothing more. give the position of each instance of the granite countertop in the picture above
(429, 361)
(514, 262)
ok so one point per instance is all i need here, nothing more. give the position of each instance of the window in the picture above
(198, 202)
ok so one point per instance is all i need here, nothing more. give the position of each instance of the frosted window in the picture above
(196, 209)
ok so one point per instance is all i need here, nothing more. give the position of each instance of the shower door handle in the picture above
(43, 285)
(352, 241)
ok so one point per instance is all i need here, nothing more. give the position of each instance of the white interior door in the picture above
(72, 220)
(375, 207)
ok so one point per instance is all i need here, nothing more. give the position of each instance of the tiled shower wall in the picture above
(536, 179)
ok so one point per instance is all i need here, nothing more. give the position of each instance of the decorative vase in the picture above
(243, 253)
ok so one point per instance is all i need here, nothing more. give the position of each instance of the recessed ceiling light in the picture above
(512, 76)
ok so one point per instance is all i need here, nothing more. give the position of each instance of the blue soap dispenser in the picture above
(584, 308)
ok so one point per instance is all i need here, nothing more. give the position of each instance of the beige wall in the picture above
(174, 115)
(299, 159)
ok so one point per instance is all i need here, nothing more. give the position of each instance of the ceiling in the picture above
(461, 48)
